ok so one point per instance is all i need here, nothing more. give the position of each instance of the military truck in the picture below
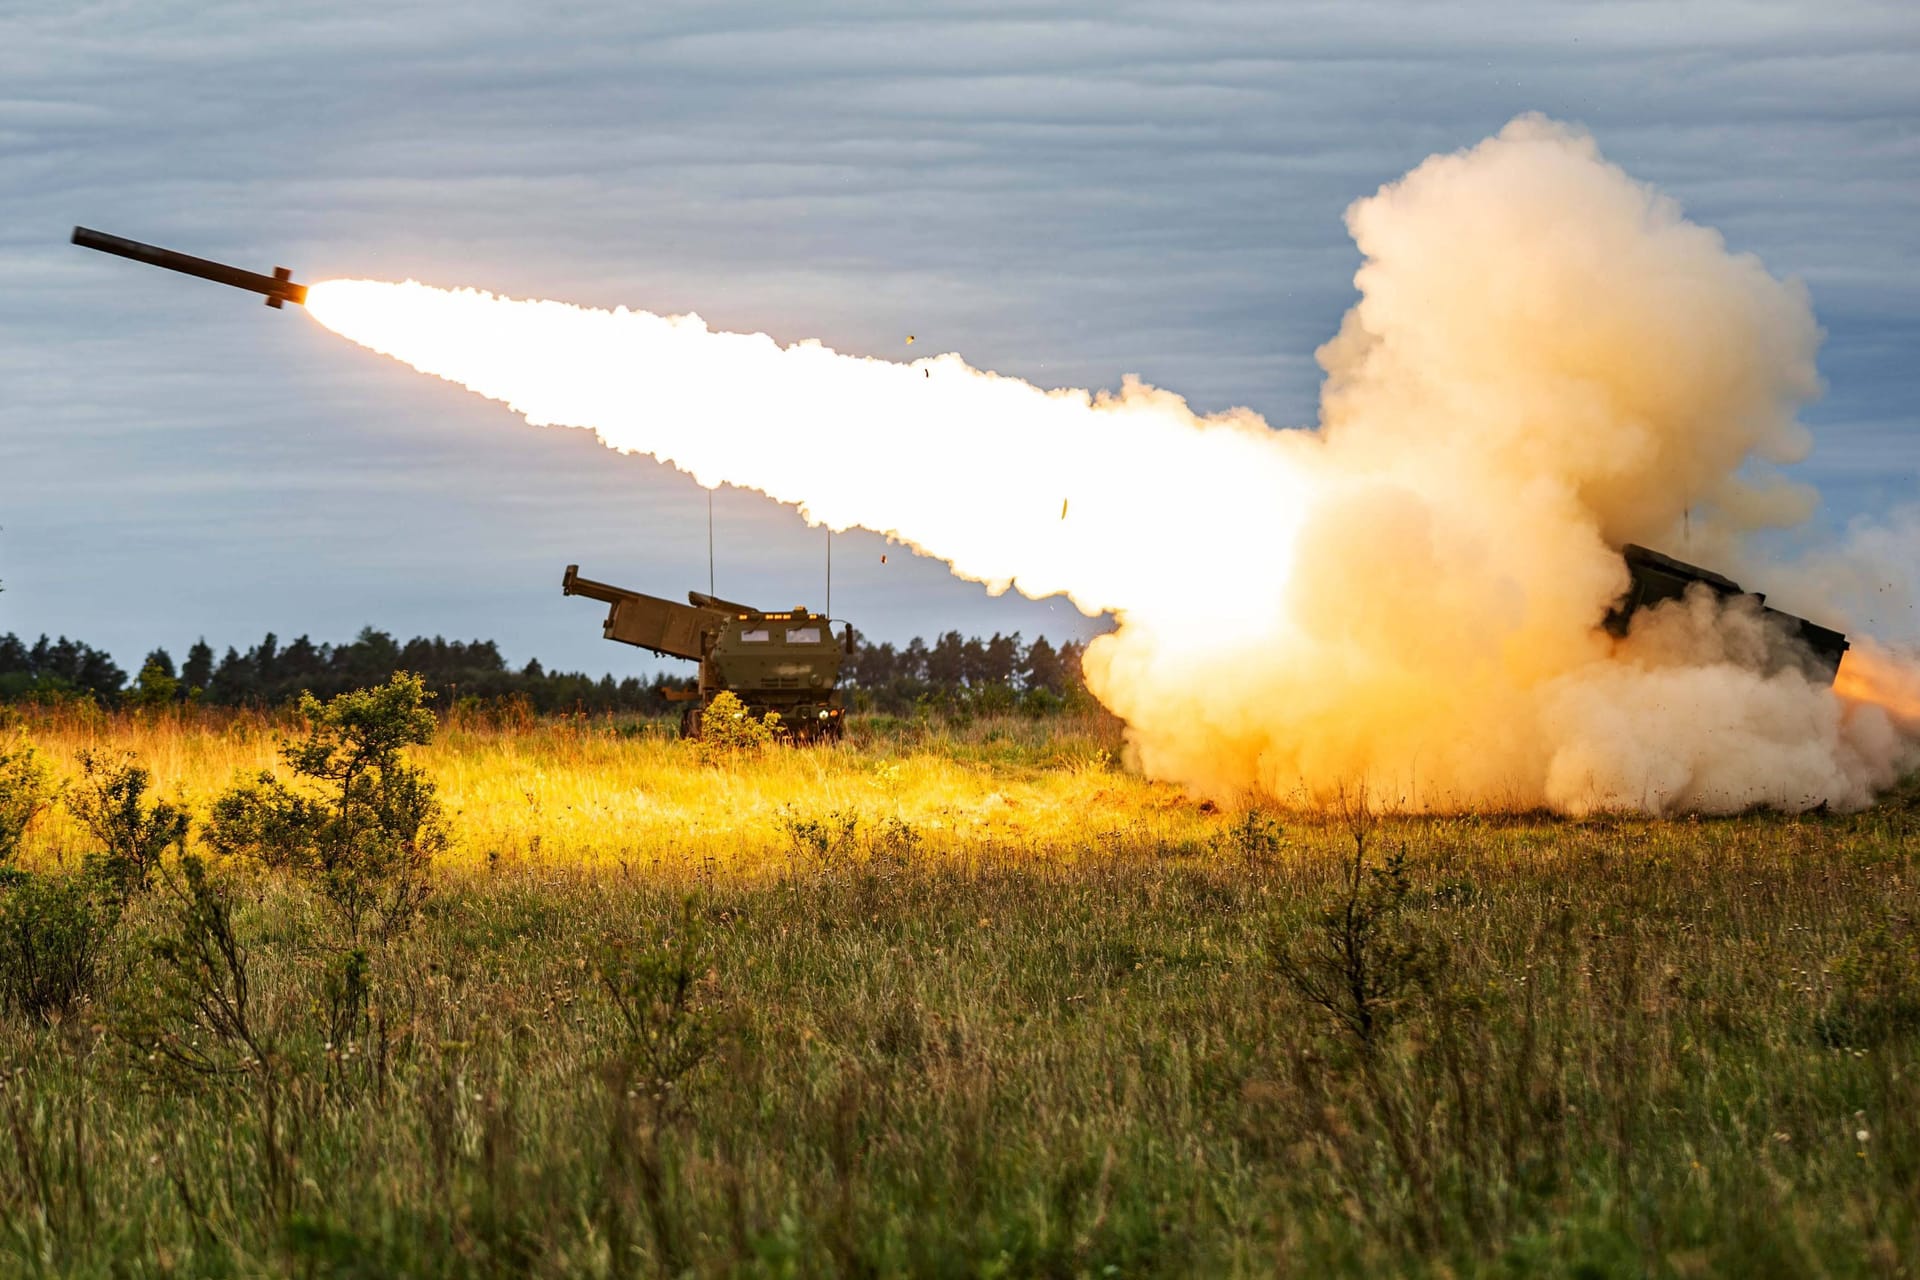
(788, 662)
(1656, 577)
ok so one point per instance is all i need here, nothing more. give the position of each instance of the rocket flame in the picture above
(1876, 677)
(923, 451)
(1546, 361)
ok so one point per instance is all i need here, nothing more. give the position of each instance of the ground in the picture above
(970, 1001)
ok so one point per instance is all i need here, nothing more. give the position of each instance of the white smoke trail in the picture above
(968, 466)
(1546, 361)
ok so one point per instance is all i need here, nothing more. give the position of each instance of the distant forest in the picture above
(1000, 672)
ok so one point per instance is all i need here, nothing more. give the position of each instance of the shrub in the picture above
(820, 843)
(727, 729)
(111, 803)
(202, 1020)
(200, 983)
(53, 931)
(155, 687)
(1363, 956)
(25, 790)
(655, 985)
(359, 821)
(992, 699)
(1256, 836)
(1040, 702)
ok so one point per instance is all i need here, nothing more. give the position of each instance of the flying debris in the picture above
(278, 287)
(909, 339)
(1063, 507)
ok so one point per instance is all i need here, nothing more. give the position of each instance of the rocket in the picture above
(279, 287)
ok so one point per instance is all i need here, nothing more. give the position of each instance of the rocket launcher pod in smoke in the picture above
(1656, 578)
(278, 287)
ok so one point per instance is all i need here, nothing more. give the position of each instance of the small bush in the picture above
(26, 789)
(1041, 702)
(726, 729)
(202, 1020)
(155, 687)
(895, 841)
(655, 985)
(53, 931)
(111, 803)
(198, 1017)
(821, 843)
(362, 822)
(1256, 836)
(1363, 956)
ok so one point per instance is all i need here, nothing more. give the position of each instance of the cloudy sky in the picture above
(1064, 193)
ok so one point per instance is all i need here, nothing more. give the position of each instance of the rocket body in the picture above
(279, 287)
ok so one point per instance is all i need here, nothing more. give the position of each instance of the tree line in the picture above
(954, 672)
(957, 672)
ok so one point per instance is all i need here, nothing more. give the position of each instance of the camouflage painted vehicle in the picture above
(1657, 578)
(787, 662)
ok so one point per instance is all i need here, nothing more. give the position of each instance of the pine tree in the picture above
(198, 672)
(1041, 668)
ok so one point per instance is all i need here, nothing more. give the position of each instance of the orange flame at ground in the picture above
(1876, 677)
(1546, 360)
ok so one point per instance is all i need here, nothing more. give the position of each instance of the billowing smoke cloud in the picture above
(1547, 360)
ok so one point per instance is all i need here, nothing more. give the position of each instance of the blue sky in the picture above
(1065, 193)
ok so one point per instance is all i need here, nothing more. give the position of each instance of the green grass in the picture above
(1620, 1047)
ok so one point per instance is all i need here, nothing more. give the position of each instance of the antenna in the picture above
(829, 573)
(710, 590)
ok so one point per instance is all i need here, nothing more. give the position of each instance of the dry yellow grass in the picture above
(601, 792)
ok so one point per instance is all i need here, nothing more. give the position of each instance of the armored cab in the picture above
(1656, 577)
(787, 662)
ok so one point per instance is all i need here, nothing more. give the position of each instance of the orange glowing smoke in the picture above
(1546, 360)
(1875, 677)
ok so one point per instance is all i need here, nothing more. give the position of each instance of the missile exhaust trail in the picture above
(279, 287)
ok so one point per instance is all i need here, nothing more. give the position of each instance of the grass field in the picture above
(976, 1002)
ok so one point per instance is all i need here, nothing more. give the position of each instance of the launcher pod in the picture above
(1656, 578)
